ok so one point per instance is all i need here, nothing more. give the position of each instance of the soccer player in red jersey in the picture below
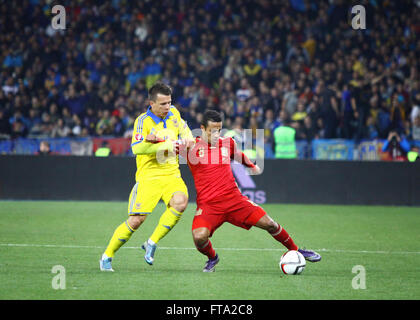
(219, 199)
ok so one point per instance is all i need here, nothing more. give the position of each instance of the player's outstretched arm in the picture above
(256, 170)
(239, 156)
(151, 145)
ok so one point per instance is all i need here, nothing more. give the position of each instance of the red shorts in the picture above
(239, 211)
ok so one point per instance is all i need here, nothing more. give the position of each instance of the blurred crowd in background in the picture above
(262, 63)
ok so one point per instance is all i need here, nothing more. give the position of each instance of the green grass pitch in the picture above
(35, 236)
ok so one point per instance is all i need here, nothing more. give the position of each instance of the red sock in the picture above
(207, 250)
(282, 236)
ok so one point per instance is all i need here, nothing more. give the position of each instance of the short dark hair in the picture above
(211, 115)
(159, 87)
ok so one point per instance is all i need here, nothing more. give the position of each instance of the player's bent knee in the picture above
(179, 201)
(200, 236)
(272, 226)
(267, 223)
(136, 220)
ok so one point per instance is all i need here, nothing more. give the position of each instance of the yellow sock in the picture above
(166, 222)
(120, 236)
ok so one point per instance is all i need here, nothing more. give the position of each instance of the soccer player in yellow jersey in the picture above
(158, 177)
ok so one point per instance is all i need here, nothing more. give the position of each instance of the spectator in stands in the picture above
(252, 71)
(18, 129)
(46, 125)
(285, 141)
(60, 129)
(67, 118)
(34, 122)
(309, 129)
(73, 100)
(255, 109)
(44, 149)
(104, 150)
(269, 127)
(104, 126)
(118, 128)
(244, 92)
(396, 147)
(53, 111)
(300, 113)
(282, 118)
(4, 124)
(89, 121)
(413, 155)
(371, 131)
(415, 112)
(290, 99)
(77, 127)
(415, 133)
(328, 109)
(304, 50)
(348, 113)
(9, 86)
(398, 115)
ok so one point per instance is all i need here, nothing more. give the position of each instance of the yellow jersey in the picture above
(156, 160)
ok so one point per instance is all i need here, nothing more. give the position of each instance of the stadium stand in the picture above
(259, 62)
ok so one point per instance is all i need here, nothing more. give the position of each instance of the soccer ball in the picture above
(292, 262)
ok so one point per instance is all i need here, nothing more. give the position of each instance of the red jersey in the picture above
(210, 167)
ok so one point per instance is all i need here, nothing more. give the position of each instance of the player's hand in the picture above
(256, 170)
(179, 145)
(152, 138)
(189, 144)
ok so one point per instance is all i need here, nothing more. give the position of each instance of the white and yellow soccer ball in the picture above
(292, 262)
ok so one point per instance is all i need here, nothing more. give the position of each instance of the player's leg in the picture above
(276, 231)
(167, 222)
(176, 207)
(123, 233)
(282, 236)
(203, 228)
(137, 214)
(203, 245)
(248, 214)
(175, 196)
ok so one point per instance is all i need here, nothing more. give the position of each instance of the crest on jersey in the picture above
(199, 212)
(175, 121)
(138, 137)
(200, 152)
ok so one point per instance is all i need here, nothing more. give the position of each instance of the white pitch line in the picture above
(181, 248)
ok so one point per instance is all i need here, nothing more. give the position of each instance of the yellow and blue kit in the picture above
(158, 175)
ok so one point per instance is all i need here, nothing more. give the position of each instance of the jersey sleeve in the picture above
(239, 156)
(140, 131)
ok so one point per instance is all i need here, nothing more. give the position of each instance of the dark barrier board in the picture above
(283, 181)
